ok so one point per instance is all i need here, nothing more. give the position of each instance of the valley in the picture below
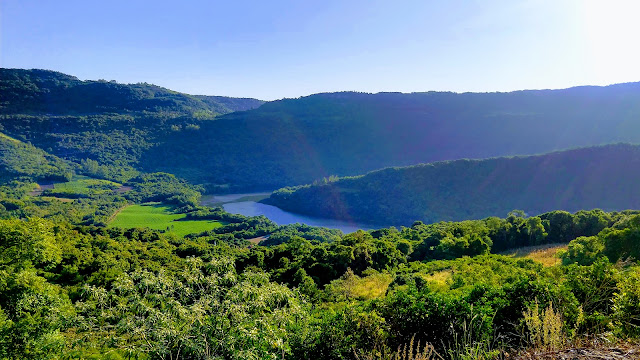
(600, 177)
(140, 222)
(251, 205)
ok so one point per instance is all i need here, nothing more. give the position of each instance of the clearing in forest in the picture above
(160, 217)
(545, 254)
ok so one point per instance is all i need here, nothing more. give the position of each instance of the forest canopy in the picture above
(596, 177)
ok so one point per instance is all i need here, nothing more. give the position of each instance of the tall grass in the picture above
(410, 351)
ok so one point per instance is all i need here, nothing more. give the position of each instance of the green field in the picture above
(85, 185)
(160, 217)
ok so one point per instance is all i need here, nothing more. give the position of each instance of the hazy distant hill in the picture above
(605, 177)
(295, 141)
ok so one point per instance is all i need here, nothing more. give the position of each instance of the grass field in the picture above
(5, 136)
(545, 254)
(85, 185)
(160, 217)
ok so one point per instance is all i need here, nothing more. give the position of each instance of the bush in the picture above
(626, 304)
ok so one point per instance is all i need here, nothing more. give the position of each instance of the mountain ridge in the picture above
(51, 91)
(296, 141)
(585, 178)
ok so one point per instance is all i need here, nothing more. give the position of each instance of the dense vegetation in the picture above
(116, 129)
(604, 177)
(88, 292)
(34, 183)
(82, 161)
(19, 159)
(71, 287)
(50, 92)
(297, 141)
(104, 126)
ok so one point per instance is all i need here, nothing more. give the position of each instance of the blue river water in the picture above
(238, 204)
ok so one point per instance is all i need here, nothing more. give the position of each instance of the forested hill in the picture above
(105, 123)
(146, 128)
(19, 159)
(605, 177)
(44, 91)
(295, 141)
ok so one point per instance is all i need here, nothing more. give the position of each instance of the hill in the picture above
(43, 91)
(143, 127)
(107, 124)
(18, 159)
(604, 177)
(296, 141)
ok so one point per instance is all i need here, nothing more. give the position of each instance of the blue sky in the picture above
(280, 48)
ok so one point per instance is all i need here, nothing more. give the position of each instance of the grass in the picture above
(257, 240)
(439, 277)
(160, 217)
(371, 286)
(545, 254)
(7, 137)
(85, 185)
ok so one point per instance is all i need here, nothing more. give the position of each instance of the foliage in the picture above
(19, 159)
(163, 187)
(623, 240)
(594, 287)
(409, 351)
(204, 311)
(544, 327)
(626, 304)
(43, 91)
(475, 189)
(87, 290)
(142, 127)
(70, 286)
(583, 250)
(105, 127)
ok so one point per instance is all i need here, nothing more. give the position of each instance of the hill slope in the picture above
(18, 159)
(295, 141)
(44, 91)
(604, 177)
(108, 123)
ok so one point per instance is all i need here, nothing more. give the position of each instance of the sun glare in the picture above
(610, 35)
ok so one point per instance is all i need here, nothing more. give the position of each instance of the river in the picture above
(248, 204)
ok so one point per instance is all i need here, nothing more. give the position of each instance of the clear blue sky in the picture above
(271, 49)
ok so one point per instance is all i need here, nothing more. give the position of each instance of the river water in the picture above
(247, 204)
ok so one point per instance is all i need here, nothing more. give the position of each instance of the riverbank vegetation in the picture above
(596, 177)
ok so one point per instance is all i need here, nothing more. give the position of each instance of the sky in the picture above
(290, 48)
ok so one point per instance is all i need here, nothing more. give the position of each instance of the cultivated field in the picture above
(160, 217)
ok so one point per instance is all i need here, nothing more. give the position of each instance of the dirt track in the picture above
(585, 353)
